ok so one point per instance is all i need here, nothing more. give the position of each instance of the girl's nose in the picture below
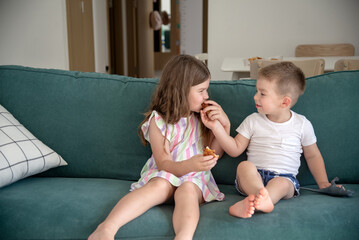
(206, 96)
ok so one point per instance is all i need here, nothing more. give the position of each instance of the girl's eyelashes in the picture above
(202, 90)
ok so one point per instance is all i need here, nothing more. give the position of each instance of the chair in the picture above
(324, 50)
(310, 67)
(346, 64)
(202, 57)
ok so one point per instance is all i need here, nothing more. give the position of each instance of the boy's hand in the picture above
(215, 112)
(328, 184)
(211, 124)
(324, 185)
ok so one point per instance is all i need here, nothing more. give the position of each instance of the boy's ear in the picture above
(286, 102)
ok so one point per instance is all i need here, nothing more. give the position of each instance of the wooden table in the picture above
(239, 69)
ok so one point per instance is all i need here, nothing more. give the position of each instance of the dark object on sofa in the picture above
(333, 190)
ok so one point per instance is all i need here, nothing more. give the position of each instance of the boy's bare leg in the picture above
(186, 213)
(132, 205)
(250, 182)
(276, 189)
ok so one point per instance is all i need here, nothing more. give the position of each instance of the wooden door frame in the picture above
(132, 42)
(205, 27)
(80, 61)
(116, 51)
(116, 37)
(132, 45)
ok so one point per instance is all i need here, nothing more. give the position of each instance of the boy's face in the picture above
(267, 100)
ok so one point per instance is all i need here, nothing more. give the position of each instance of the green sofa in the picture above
(90, 119)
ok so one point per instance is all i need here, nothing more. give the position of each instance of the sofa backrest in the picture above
(91, 119)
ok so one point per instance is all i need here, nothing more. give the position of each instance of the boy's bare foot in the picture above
(263, 202)
(244, 208)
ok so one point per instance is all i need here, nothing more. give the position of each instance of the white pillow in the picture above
(22, 154)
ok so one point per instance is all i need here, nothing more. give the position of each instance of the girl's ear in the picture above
(286, 102)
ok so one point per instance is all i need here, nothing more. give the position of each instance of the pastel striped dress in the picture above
(184, 142)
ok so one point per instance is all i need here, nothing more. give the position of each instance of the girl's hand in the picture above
(215, 112)
(201, 163)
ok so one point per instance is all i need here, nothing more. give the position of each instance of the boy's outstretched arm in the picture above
(214, 112)
(316, 165)
(232, 146)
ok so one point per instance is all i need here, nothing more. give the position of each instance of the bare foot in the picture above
(103, 233)
(244, 208)
(263, 202)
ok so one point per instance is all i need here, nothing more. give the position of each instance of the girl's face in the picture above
(267, 100)
(197, 95)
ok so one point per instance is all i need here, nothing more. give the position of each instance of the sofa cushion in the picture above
(21, 153)
(71, 208)
(101, 113)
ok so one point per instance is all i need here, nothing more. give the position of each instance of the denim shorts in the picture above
(269, 175)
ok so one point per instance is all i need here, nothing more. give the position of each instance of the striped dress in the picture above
(184, 142)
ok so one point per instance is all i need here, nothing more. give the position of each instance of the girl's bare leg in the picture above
(250, 183)
(132, 205)
(187, 198)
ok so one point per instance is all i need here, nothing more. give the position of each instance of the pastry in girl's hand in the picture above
(204, 105)
(207, 151)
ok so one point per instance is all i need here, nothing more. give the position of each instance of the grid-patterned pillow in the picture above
(22, 154)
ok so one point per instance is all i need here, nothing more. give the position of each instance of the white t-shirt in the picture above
(277, 146)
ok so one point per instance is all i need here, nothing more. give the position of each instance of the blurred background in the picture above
(116, 36)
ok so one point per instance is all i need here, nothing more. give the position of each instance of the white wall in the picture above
(100, 35)
(246, 28)
(191, 18)
(33, 33)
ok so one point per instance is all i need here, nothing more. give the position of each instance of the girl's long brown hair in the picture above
(170, 99)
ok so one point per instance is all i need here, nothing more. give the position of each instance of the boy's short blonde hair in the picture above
(289, 78)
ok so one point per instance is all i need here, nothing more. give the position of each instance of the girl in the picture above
(177, 170)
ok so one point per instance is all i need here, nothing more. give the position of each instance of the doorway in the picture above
(131, 39)
(167, 39)
(124, 34)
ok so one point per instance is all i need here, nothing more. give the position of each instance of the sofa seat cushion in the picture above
(71, 208)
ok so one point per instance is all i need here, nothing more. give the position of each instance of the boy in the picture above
(275, 136)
